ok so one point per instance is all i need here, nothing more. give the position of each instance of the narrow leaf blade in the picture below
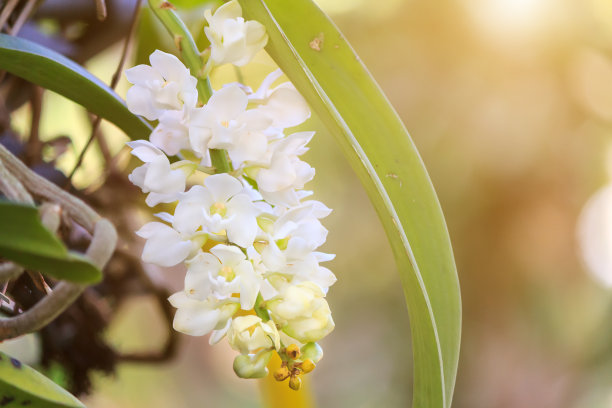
(21, 385)
(57, 73)
(24, 240)
(322, 65)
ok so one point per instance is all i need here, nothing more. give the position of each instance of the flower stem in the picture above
(185, 44)
(220, 161)
(259, 310)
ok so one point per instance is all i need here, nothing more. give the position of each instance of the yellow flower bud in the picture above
(307, 366)
(293, 351)
(295, 382)
(281, 374)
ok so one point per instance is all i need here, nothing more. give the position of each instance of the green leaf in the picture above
(22, 386)
(324, 68)
(25, 241)
(57, 73)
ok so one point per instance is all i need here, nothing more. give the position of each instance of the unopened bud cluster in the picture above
(296, 361)
(247, 233)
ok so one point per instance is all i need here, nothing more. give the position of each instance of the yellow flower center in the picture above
(218, 208)
(228, 273)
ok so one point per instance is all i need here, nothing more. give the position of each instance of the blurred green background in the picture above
(510, 105)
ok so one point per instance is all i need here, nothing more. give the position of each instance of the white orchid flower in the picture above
(165, 85)
(296, 264)
(302, 222)
(286, 173)
(307, 269)
(221, 273)
(221, 204)
(293, 235)
(166, 246)
(172, 132)
(266, 289)
(199, 317)
(233, 40)
(225, 123)
(156, 177)
(283, 105)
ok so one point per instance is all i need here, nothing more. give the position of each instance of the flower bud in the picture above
(165, 85)
(295, 382)
(307, 366)
(252, 366)
(248, 334)
(293, 351)
(303, 312)
(233, 40)
(281, 374)
(313, 352)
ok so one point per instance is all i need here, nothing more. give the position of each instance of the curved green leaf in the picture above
(322, 65)
(25, 241)
(22, 386)
(57, 73)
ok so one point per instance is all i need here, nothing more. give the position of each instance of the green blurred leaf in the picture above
(22, 386)
(153, 36)
(189, 4)
(57, 73)
(322, 65)
(24, 240)
(150, 36)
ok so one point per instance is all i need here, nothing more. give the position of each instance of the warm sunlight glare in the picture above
(383, 7)
(512, 20)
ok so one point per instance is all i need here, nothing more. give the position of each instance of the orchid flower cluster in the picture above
(245, 228)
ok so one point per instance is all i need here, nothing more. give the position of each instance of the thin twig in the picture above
(101, 10)
(5, 117)
(23, 17)
(33, 151)
(8, 305)
(6, 12)
(76, 209)
(42, 313)
(9, 271)
(94, 132)
(39, 282)
(104, 149)
(12, 188)
(126, 45)
(113, 84)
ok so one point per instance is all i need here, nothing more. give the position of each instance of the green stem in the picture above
(259, 310)
(193, 59)
(185, 43)
(220, 161)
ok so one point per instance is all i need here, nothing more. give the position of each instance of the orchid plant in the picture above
(248, 233)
